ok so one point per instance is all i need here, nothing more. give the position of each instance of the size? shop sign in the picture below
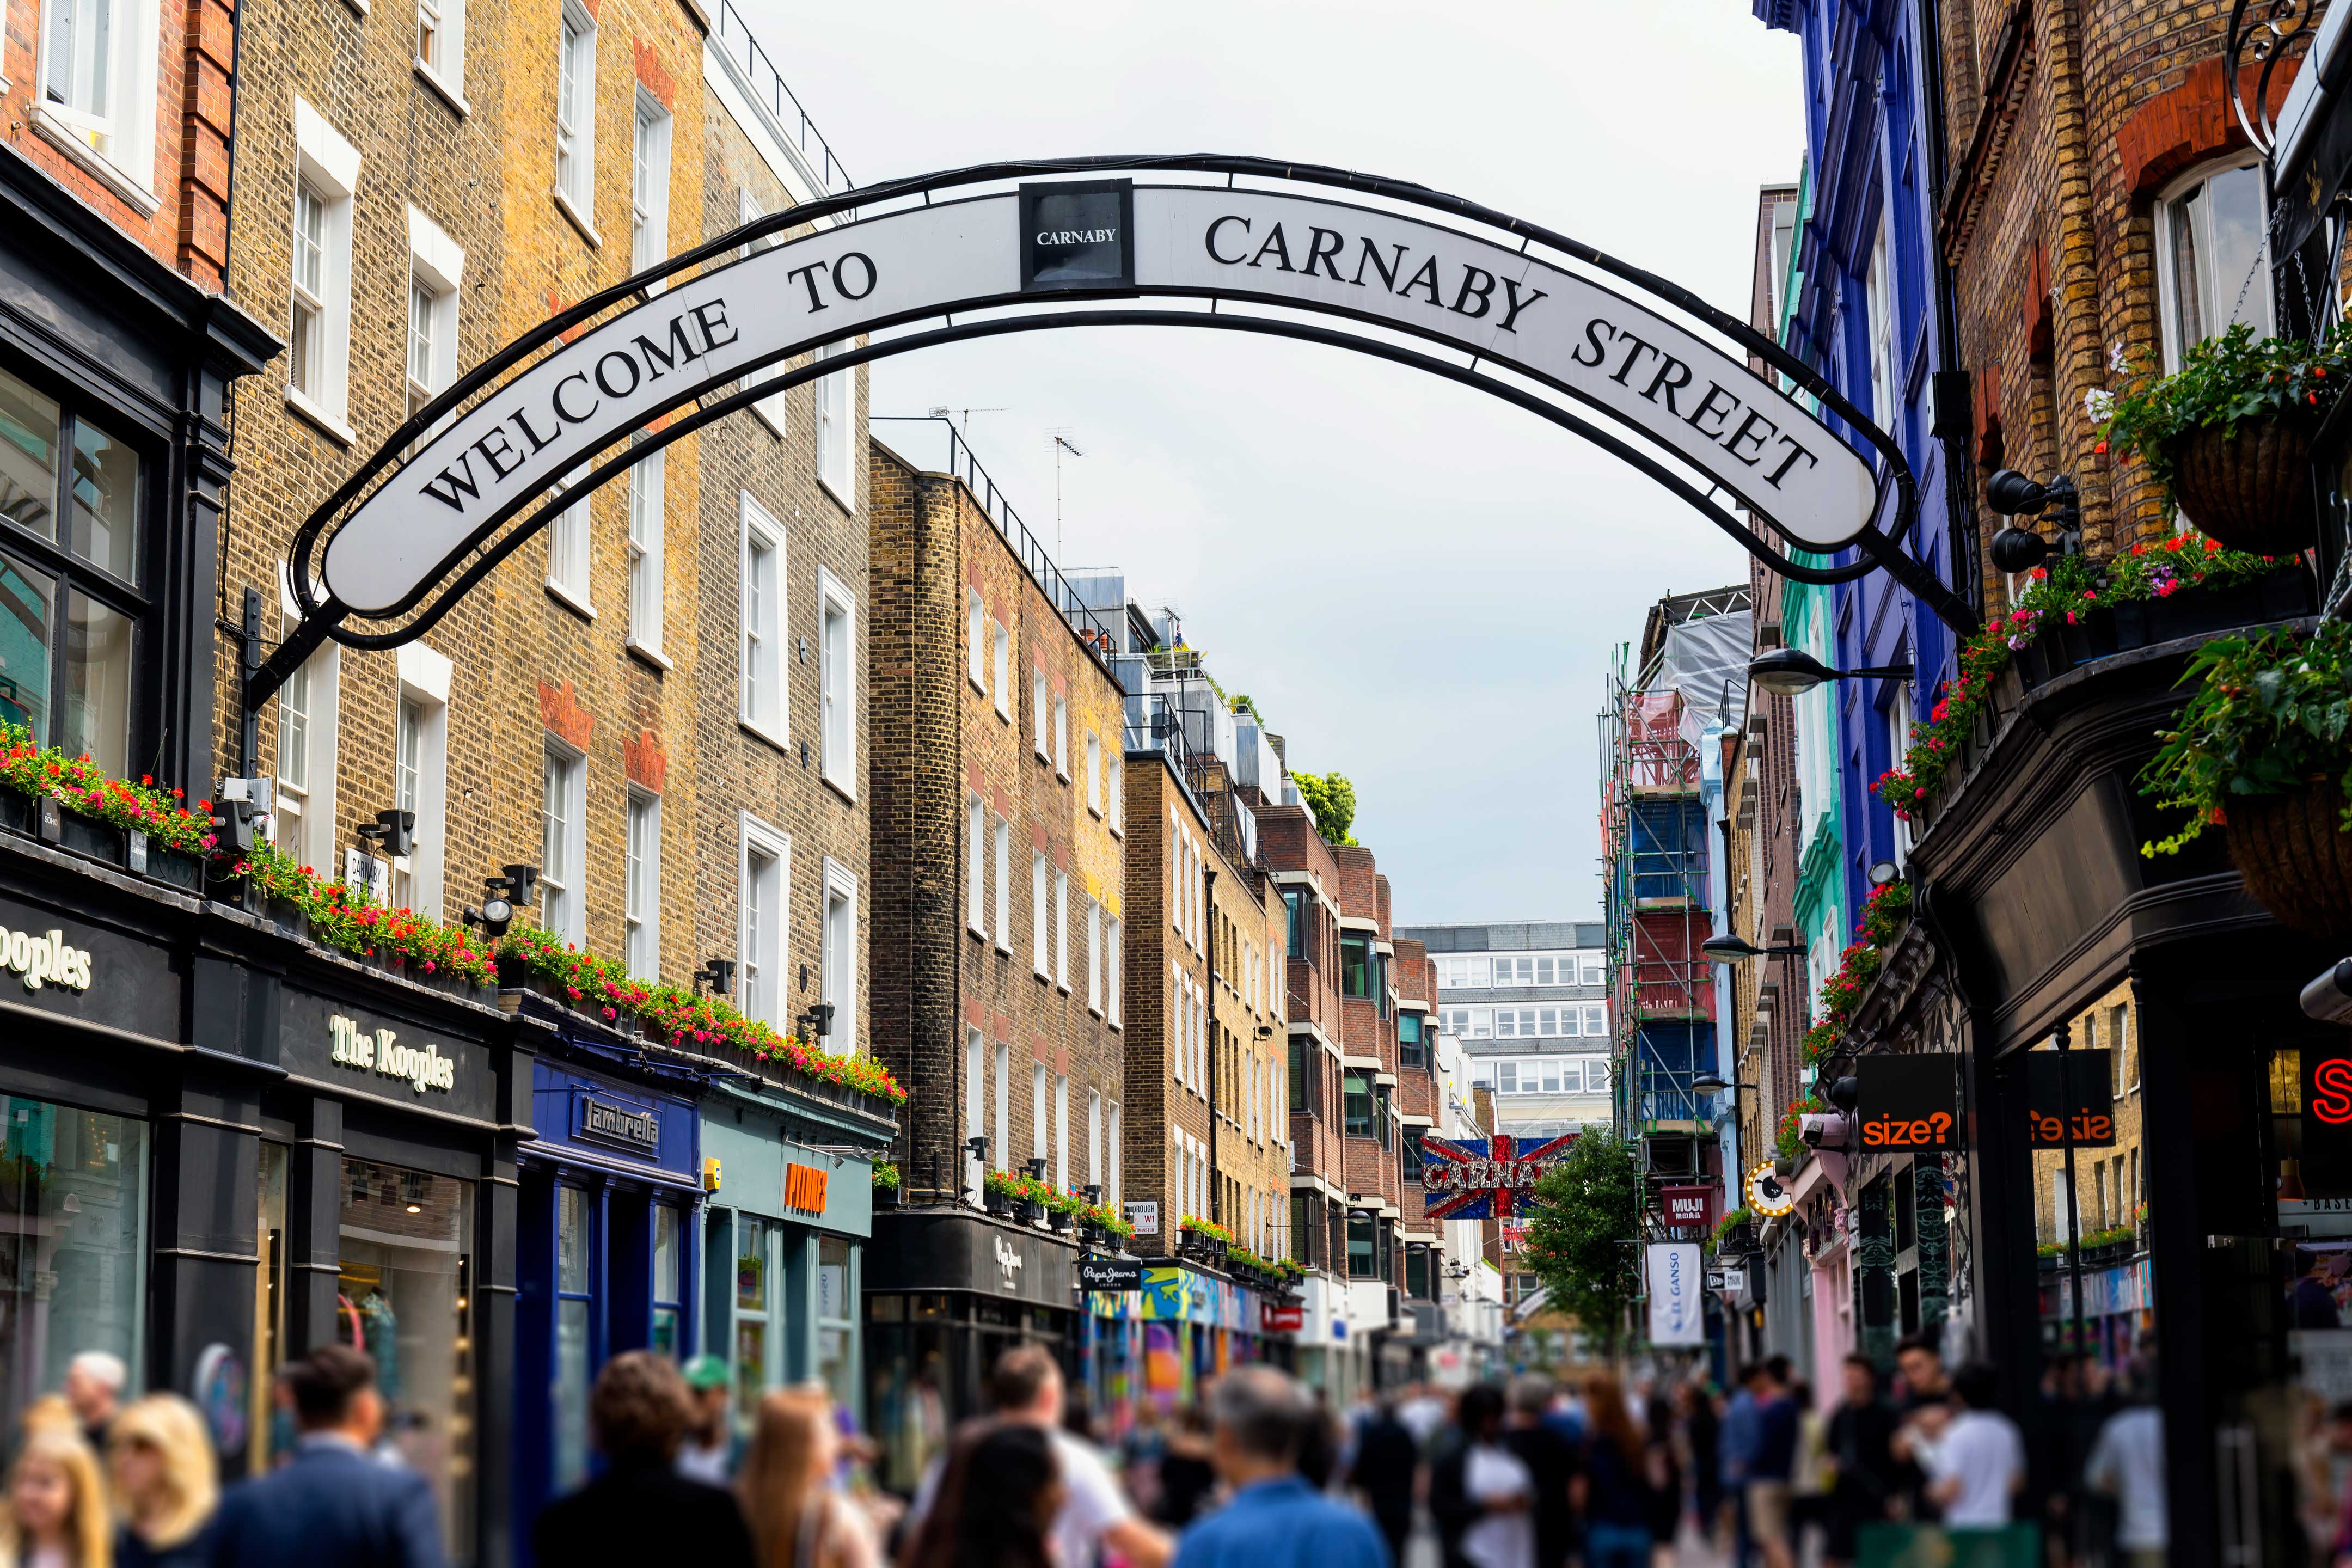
(421, 1067)
(41, 959)
(1910, 1104)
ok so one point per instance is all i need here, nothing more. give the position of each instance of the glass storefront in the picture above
(404, 1296)
(753, 1265)
(272, 1428)
(836, 1321)
(927, 1363)
(73, 1244)
(573, 1352)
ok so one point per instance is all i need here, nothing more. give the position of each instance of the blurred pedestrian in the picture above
(1703, 1435)
(1386, 1474)
(1662, 1454)
(1480, 1493)
(1187, 1479)
(1612, 1490)
(1092, 1514)
(1771, 1465)
(167, 1484)
(335, 1503)
(639, 1508)
(1864, 1476)
(997, 1500)
(1262, 1420)
(1977, 1466)
(1923, 1411)
(1552, 1462)
(2128, 1464)
(709, 1452)
(93, 1387)
(1735, 1449)
(797, 1519)
(1809, 1476)
(56, 1515)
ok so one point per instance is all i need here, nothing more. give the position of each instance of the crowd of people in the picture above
(1260, 1473)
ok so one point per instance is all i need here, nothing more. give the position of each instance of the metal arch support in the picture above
(322, 619)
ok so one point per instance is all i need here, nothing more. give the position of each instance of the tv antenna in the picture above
(942, 411)
(1061, 435)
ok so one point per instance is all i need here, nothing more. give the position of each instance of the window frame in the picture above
(2177, 191)
(975, 917)
(1040, 896)
(975, 616)
(557, 753)
(836, 429)
(1000, 641)
(422, 677)
(760, 534)
(641, 883)
(759, 953)
(650, 130)
(772, 409)
(444, 70)
(839, 977)
(126, 165)
(647, 573)
(329, 166)
(836, 683)
(575, 121)
(1000, 839)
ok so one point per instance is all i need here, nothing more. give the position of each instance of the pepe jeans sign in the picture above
(1502, 305)
(421, 1067)
(44, 960)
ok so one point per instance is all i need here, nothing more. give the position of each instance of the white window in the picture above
(1506, 1077)
(302, 817)
(568, 546)
(1061, 1132)
(648, 480)
(975, 616)
(1596, 1018)
(1884, 373)
(1003, 837)
(763, 877)
(641, 889)
(975, 1100)
(1898, 739)
(649, 185)
(1175, 874)
(1003, 1106)
(1093, 957)
(2212, 265)
(1117, 792)
(563, 843)
(575, 115)
(1001, 636)
(761, 610)
(1178, 1050)
(837, 965)
(97, 95)
(326, 172)
(1062, 930)
(1094, 1137)
(420, 769)
(441, 47)
(1037, 1128)
(770, 409)
(1062, 735)
(838, 680)
(836, 434)
(975, 870)
(1093, 774)
(1115, 1172)
(1037, 709)
(436, 267)
(1039, 958)
(1116, 978)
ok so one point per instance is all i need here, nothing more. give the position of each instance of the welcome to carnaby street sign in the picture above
(563, 401)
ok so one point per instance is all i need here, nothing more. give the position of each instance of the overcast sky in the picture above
(1420, 585)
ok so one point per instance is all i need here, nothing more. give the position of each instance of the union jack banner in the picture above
(1483, 1178)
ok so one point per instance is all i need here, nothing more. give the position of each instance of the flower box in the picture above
(2193, 612)
(1060, 1218)
(173, 868)
(886, 1197)
(88, 836)
(16, 812)
(998, 1203)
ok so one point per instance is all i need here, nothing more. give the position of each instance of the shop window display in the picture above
(73, 1243)
(752, 1259)
(572, 1352)
(837, 1323)
(404, 1296)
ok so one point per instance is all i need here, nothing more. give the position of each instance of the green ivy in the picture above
(2271, 715)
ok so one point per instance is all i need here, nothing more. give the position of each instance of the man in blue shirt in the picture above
(1736, 1447)
(1275, 1519)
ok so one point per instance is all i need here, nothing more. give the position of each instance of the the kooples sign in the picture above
(380, 1051)
(578, 402)
(39, 959)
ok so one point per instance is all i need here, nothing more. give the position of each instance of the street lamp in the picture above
(1729, 949)
(1792, 672)
(1709, 1081)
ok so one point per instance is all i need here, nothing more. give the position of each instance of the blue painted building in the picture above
(1866, 307)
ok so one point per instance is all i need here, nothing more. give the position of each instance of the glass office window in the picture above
(1357, 970)
(73, 1244)
(669, 1255)
(404, 1296)
(1361, 1244)
(1358, 1105)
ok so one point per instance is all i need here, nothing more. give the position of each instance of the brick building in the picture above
(999, 918)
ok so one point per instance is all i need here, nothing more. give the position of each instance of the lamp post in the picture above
(1729, 949)
(1792, 672)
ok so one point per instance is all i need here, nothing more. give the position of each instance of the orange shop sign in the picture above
(804, 1188)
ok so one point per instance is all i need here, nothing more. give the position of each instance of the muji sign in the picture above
(513, 444)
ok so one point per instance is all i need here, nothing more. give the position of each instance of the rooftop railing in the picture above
(771, 96)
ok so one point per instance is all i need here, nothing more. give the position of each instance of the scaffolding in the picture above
(1689, 679)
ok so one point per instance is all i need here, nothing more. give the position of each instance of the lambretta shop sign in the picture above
(1105, 238)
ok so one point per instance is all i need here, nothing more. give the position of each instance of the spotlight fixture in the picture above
(1792, 672)
(718, 974)
(817, 1021)
(2012, 494)
(1882, 872)
(507, 894)
(977, 1147)
(1729, 949)
(1036, 1168)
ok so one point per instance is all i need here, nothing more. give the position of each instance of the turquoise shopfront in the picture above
(785, 1235)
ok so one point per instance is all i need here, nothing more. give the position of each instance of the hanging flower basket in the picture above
(2252, 489)
(2296, 858)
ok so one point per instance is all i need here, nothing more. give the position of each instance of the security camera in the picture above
(1821, 1131)
(2328, 998)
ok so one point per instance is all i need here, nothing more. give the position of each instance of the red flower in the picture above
(2101, 448)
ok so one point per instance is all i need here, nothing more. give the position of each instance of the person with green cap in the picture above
(708, 1453)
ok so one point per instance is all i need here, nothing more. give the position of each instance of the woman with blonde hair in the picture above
(797, 1520)
(166, 1484)
(56, 1515)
